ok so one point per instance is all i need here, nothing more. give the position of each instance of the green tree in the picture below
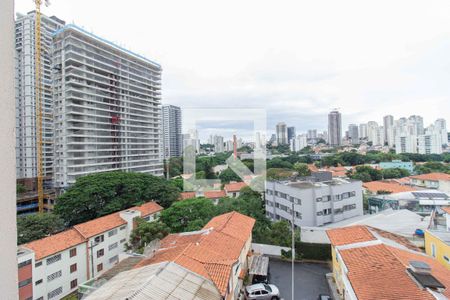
(145, 232)
(366, 173)
(37, 226)
(278, 173)
(100, 194)
(20, 188)
(228, 175)
(302, 169)
(188, 215)
(394, 173)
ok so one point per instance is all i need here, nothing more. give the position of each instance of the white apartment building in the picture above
(171, 128)
(362, 131)
(59, 263)
(191, 139)
(219, 146)
(300, 142)
(314, 203)
(107, 108)
(429, 143)
(26, 146)
(281, 129)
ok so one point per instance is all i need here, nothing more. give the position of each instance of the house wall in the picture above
(25, 271)
(41, 271)
(441, 249)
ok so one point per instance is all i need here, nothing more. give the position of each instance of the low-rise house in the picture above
(430, 180)
(216, 255)
(396, 163)
(422, 201)
(62, 261)
(437, 245)
(233, 189)
(370, 265)
(389, 186)
(314, 203)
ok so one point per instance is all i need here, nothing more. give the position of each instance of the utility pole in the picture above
(293, 249)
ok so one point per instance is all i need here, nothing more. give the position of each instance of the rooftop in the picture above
(349, 235)
(55, 243)
(234, 187)
(442, 235)
(210, 252)
(432, 176)
(446, 209)
(161, 281)
(214, 194)
(389, 186)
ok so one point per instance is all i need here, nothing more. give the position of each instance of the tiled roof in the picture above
(396, 238)
(432, 176)
(215, 194)
(376, 273)
(210, 252)
(148, 208)
(55, 243)
(97, 226)
(234, 224)
(234, 187)
(437, 270)
(446, 209)
(187, 195)
(389, 186)
(349, 235)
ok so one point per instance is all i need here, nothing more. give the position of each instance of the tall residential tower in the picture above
(107, 108)
(334, 128)
(171, 127)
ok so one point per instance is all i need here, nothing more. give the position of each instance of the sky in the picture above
(298, 60)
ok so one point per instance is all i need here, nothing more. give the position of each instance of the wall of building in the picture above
(437, 248)
(43, 268)
(8, 242)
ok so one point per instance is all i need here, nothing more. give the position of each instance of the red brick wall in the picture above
(25, 273)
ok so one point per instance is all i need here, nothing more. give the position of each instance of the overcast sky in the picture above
(296, 59)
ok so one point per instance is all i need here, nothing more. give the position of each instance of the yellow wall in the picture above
(337, 271)
(441, 249)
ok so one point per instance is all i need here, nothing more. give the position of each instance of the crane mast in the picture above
(38, 97)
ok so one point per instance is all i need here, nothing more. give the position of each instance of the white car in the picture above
(262, 291)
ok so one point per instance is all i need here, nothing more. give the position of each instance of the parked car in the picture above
(262, 291)
(324, 297)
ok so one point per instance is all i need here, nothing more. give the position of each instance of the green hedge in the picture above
(313, 251)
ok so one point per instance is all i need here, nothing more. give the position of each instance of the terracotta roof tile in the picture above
(432, 176)
(349, 235)
(210, 252)
(148, 208)
(376, 273)
(390, 186)
(446, 209)
(55, 243)
(100, 225)
(234, 187)
(187, 195)
(396, 238)
(215, 194)
(234, 224)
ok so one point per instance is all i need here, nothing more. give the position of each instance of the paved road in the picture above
(309, 280)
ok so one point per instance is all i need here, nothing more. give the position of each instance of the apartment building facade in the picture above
(106, 106)
(335, 128)
(26, 144)
(60, 262)
(171, 128)
(314, 203)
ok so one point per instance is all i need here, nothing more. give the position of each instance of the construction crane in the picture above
(38, 93)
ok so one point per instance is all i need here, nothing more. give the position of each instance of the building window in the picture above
(100, 253)
(73, 268)
(433, 250)
(112, 232)
(99, 267)
(24, 263)
(114, 259)
(112, 246)
(53, 259)
(123, 227)
(73, 252)
(298, 215)
(38, 282)
(122, 241)
(25, 282)
(73, 284)
(99, 239)
(53, 276)
(55, 293)
(318, 199)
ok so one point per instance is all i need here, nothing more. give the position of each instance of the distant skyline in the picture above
(298, 60)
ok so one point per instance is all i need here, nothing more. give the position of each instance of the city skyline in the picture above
(291, 81)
